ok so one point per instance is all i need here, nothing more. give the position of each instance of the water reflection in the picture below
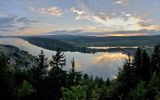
(109, 47)
(108, 57)
(99, 64)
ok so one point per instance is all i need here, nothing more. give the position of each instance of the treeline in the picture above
(72, 46)
(137, 79)
(106, 41)
(53, 44)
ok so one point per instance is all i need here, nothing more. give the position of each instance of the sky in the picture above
(80, 17)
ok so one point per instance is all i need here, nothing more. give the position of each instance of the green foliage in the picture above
(75, 93)
(58, 60)
(155, 60)
(51, 44)
(43, 65)
(139, 93)
(7, 82)
(137, 79)
(57, 76)
(24, 90)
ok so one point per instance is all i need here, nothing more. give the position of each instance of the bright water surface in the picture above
(100, 64)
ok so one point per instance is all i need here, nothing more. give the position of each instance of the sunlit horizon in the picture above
(79, 17)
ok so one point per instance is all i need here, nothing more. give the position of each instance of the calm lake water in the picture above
(107, 47)
(100, 64)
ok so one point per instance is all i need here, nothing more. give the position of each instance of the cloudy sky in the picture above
(90, 17)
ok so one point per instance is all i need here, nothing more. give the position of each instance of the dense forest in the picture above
(51, 44)
(72, 46)
(137, 79)
(102, 41)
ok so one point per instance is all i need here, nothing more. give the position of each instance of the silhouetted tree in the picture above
(58, 60)
(137, 62)
(146, 66)
(57, 76)
(155, 60)
(108, 82)
(39, 75)
(74, 76)
(43, 64)
(126, 79)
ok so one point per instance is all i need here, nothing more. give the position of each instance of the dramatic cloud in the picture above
(14, 24)
(94, 17)
(124, 22)
(78, 12)
(53, 11)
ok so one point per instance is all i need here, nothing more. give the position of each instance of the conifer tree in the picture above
(57, 76)
(43, 64)
(58, 60)
(137, 62)
(155, 60)
(108, 82)
(74, 76)
(146, 66)
(39, 75)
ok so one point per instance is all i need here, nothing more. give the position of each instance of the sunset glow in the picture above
(91, 17)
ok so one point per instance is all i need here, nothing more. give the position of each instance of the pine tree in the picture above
(108, 82)
(155, 60)
(40, 71)
(57, 63)
(43, 64)
(126, 79)
(74, 77)
(39, 75)
(57, 75)
(58, 60)
(146, 66)
(137, 62)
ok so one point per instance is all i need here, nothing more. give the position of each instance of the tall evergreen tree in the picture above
(137, 62)
(74, 76)
(58, 60)
(43, 64)
(146, 66)
(40, 71)
(39, 74)
(126, 79)
(107, 82)
(155, 60)
(57, 75)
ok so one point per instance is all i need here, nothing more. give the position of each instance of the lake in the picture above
(102, 64)
(107, 47)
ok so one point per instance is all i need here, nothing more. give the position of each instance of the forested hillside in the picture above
(137, 79)
(53, 44)
(106, 41)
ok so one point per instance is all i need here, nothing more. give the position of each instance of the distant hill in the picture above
(53, 44)
(105, 41)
